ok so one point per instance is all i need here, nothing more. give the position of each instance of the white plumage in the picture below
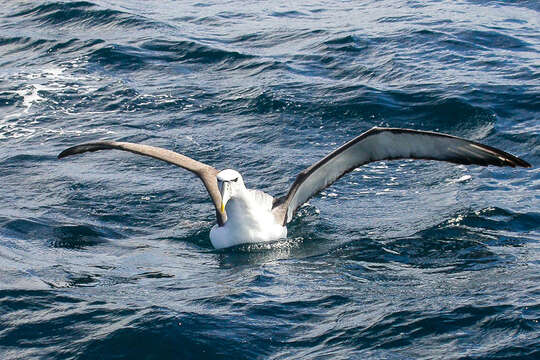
(249, 216)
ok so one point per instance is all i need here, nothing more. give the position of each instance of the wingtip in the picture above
(63, 154)
(92, 146)
(525, 164)
(515, 161)
(69, 151)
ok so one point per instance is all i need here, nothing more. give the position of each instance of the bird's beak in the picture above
(225, 190)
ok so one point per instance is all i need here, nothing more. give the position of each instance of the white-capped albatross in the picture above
(250, 216)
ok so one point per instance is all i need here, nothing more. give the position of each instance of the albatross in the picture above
(251, 216)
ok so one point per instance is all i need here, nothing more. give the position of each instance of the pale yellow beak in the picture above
(225, 190)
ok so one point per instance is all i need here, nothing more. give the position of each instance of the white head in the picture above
(230, 182)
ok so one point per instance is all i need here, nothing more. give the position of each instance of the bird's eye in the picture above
(235, 180)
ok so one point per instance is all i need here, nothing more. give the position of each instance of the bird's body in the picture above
(249, 220)
(252, 216)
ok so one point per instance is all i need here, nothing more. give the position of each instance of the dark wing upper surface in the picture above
(387, 144)
(205, 172)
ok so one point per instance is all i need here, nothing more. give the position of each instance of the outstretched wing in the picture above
(205, 172)
(386, 144)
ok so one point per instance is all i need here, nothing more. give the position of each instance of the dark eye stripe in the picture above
(235, 180)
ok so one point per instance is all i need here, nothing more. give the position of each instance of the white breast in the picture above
(249, 220)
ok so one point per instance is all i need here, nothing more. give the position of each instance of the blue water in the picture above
(107, 255)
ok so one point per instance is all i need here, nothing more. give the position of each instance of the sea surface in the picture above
(107, 255)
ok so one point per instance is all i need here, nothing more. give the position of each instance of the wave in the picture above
(82, 13)
(347, 43)
(14, 45)
(155, 52)
(58, 235)
(191, 51)
(469, 320)
(364, 107)
(44, 48)
(468, 241)
(379, 59)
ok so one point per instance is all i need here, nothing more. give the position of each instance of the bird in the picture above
(246, 216)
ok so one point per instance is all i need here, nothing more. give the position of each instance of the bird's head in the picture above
(230, 184)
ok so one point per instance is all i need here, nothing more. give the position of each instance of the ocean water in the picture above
(107, 255)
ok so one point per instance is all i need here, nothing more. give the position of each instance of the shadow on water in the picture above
(469, 240)
(59, 235)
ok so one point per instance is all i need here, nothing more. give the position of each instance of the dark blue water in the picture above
(107, 255)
